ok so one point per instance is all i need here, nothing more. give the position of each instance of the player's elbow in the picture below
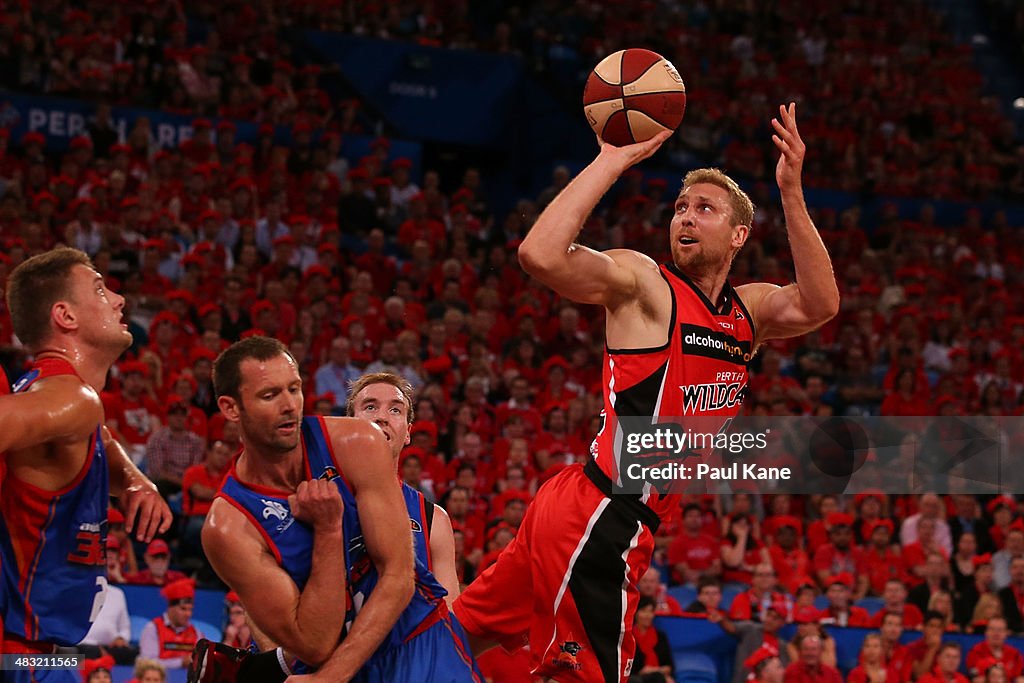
(536, 259)
(316, 652)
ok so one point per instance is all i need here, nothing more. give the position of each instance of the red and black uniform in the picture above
(578, 540)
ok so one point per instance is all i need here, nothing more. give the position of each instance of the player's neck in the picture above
(277, 471)
(711, 283)
(92, 370)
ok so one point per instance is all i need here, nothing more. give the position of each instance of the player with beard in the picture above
(679, 342)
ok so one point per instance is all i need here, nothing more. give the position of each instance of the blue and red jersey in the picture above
(291, 541)
(52, 544)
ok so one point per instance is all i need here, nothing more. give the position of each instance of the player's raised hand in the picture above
(787, 139)
(629, 155)
(317, 503)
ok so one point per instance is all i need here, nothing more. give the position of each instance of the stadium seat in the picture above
(695, 667)
(137, 625)
(729, 593)
(684, 595)
(208, 630)
(872, 605)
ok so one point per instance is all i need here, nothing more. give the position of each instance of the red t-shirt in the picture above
(880, 567)
(198, 474)
(698, 552)
(751, 557)
(1010, 658)
(798, 672)
(858, 616)
(828, 558)
(912, 617)
(791, 567)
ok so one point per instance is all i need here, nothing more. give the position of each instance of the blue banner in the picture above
(60, 120)
(428, 93)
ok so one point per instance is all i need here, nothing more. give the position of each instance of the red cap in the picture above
(113, 543)
(1002, 501)
(883, 523)
(179, 590)
(81, 142)
(208, 308)
(136, 366)
(114, 516)
(843, 578)
(199, 353)
(423, 426)
(761, 654)
(979, 560)
(805, 615)
(158, 547)
(232, 597)
(91, 666)
(402, 162)
(790, 521)
(861, 497)
(261, 306)
(283, 240)
(241, 59)
(201, 123)
(835, 519)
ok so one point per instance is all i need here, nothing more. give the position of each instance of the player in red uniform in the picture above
(679, 341)
(60, 459)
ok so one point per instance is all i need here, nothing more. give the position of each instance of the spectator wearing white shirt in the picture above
(930, 506)
(112, 629)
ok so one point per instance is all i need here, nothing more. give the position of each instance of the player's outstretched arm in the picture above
(55, 409)
(795, 309)
(307, 623)
(136, 494)
(576, 272)
(442, 554)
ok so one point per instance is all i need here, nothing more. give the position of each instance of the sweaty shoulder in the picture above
(68, 402)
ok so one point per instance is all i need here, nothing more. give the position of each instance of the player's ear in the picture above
(63, 316)
(739, 235)
(229, 407)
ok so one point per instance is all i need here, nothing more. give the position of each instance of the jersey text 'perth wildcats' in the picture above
(701, 371)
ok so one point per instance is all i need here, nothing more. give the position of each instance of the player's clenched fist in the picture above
(318, 503)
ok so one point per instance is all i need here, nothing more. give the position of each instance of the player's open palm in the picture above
(317, 503)
(787, 139)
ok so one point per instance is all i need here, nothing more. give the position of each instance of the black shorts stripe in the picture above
(596, 585)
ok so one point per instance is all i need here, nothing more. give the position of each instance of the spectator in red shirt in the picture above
(839, 555)
(894, 653)
(921, 654)
(839, 610)
(741, 552)
(872, 666)
(199, 485)
(947, 661)
(915, 555)
(131, 413)
(809, 668)
(995, 648)
(752, 604)
(693, 554)
(789, 559)
(895, 602)
(880, 560)
(157, 571)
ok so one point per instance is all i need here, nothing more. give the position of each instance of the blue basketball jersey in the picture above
(417, 505)
(291, 541)
(52, 544)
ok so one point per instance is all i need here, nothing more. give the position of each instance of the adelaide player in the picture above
(348, 568)
(62, 465)
(567, 583)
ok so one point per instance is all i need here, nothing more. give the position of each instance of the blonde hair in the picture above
(144, 665)
(739, 202)
(982, 610)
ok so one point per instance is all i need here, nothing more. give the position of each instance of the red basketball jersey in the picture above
(701, 371)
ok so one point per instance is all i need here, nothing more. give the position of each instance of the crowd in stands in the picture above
(360, 267)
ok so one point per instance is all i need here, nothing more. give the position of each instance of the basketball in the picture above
(632, 95)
